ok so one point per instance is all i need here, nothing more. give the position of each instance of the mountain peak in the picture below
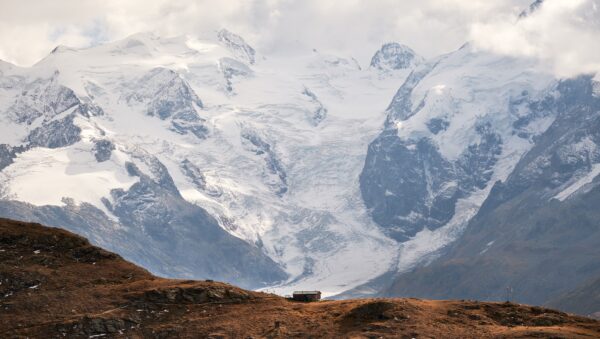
(394, 56)
(237, 45)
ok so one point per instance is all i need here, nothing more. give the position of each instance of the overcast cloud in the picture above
(563, 34)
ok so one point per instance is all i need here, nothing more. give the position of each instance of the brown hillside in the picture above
(55, 284)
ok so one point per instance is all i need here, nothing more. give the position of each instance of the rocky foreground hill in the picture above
(55, 284)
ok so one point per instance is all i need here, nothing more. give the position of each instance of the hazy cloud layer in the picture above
(561, 34)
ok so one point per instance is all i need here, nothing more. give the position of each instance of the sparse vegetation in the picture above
(55, 284)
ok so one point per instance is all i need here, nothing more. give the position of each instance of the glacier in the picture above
(271, 147)
(201, 157)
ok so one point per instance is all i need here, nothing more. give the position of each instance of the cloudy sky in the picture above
(563, 35)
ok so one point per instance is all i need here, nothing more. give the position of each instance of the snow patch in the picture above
(579, 183)
(487, 247)
(43, 176)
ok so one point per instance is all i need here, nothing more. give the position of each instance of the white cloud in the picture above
(563, 34)
(348, 27)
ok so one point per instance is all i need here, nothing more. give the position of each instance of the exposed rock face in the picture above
(237, 45)
(532, 8)
(402, 107)
(437, 125)
(408, 182)
(394, 56)
(42, 98)
(56, 133)
(91, 326)
(198, 178)
(520, 187)
(53, 108)
(319, 112)
(88, 109)
(537, 231)
(416, 171)
(193, 295)
(155, 207)
(231, 69)
(552, 167)
(409, 185)
(7, 154)
(275, 175)
(169, 97)
(103, 150)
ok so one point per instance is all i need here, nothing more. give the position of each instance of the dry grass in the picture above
(55, 284)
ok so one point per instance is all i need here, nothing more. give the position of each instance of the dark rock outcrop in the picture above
(538, 231)
(394, 56)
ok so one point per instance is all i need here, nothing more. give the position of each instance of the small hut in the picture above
(307, 295)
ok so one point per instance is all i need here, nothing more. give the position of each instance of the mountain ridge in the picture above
(536, 231)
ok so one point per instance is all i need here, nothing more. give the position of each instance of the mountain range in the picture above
(458, 176)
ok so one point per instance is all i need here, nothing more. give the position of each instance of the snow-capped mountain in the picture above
(394, 56)
(458, 124)
(486, 173)
(202, 157)
(537, 231)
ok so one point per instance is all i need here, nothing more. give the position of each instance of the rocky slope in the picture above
(486, 173)
(538, 229)
(55, 284)
(584, 299)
